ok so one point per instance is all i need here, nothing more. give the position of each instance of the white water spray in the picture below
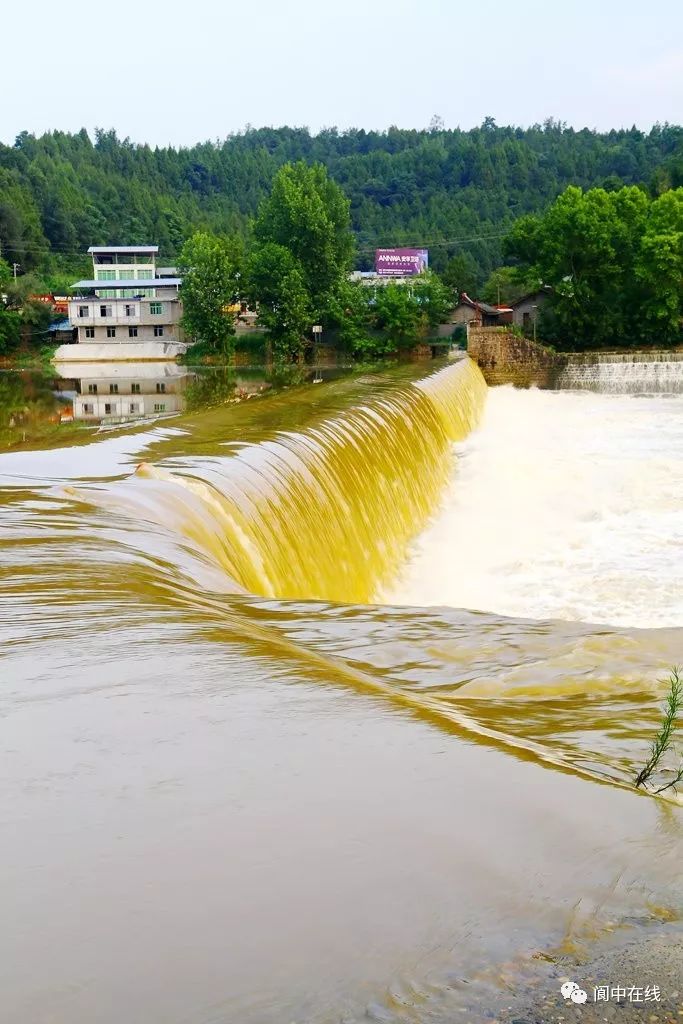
(562, 505)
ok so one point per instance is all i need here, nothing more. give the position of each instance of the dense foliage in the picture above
(211, 268)
(614, 262)
(456, 191)
(302, 255)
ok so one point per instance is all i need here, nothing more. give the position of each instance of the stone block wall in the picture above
(507, 357)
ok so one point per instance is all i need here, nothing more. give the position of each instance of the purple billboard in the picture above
(400, 262)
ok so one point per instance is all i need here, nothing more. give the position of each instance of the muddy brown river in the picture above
(326, 707)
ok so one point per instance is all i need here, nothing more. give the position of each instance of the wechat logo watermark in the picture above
(570, 990)
(619, 993)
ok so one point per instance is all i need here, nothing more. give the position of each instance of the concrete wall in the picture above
(158, 350)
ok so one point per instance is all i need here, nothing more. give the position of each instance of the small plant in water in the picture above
(663, 740)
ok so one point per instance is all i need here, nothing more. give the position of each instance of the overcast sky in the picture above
(182, 71)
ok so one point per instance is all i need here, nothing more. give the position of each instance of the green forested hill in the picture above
(455, 191)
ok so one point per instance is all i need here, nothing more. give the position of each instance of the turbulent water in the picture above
(306, 714)
(564, 505)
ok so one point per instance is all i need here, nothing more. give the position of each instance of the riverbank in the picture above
(651, 966)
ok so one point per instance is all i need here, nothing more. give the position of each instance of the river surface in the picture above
(326, 706)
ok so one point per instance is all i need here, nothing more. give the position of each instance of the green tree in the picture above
(5, 274)
(508, 284)
(614, 263)
(460, 275)
(434, 300)
(211, 268)
(397, 314)
(275, 282)
(658, 269)
(308, 214)
(10, 330)
(353, 315)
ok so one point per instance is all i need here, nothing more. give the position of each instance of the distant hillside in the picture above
(453, 191)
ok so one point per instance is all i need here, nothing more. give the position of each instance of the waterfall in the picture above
(328, 511)
(624, 372)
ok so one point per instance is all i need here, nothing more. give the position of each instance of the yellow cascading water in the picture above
(327, 513)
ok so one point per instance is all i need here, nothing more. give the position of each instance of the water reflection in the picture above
(118, 392)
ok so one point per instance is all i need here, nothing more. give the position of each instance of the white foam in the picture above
(565, 505)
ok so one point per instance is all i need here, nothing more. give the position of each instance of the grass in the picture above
(663, 741)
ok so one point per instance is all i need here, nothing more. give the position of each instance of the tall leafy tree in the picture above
(508, 284)
(275, 282)
(212, 270)
(308, 214)
(432, 297)
(397, 315)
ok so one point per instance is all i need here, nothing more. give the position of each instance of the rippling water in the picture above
(240, 788)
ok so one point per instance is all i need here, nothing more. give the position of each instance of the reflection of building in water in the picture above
(126, 391)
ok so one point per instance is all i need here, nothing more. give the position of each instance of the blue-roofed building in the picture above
(62, 332)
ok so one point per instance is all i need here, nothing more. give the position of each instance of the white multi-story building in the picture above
(128, 310)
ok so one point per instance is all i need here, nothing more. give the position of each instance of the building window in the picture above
(143, 275)
(83, 311)
(130, 310)
(161, 388)
(111, 332)
(132, 332)
(158, 332)
(135, 389)
(133, 406)
(156, 308)
(92, 389)
(105, 310)
(159, 407)
(90, 332)
(113, 389)
(88, 409)
(106, 275)
(108, 409)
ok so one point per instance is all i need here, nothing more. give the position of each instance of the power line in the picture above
(370, 247)
(439, 243)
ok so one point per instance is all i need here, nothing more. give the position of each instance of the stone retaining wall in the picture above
(507, 357)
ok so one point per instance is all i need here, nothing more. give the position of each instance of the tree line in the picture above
(479, 200)
(458, 192)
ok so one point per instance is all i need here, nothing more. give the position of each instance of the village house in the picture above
(474, 311)
(525, 311)
(128, 309)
